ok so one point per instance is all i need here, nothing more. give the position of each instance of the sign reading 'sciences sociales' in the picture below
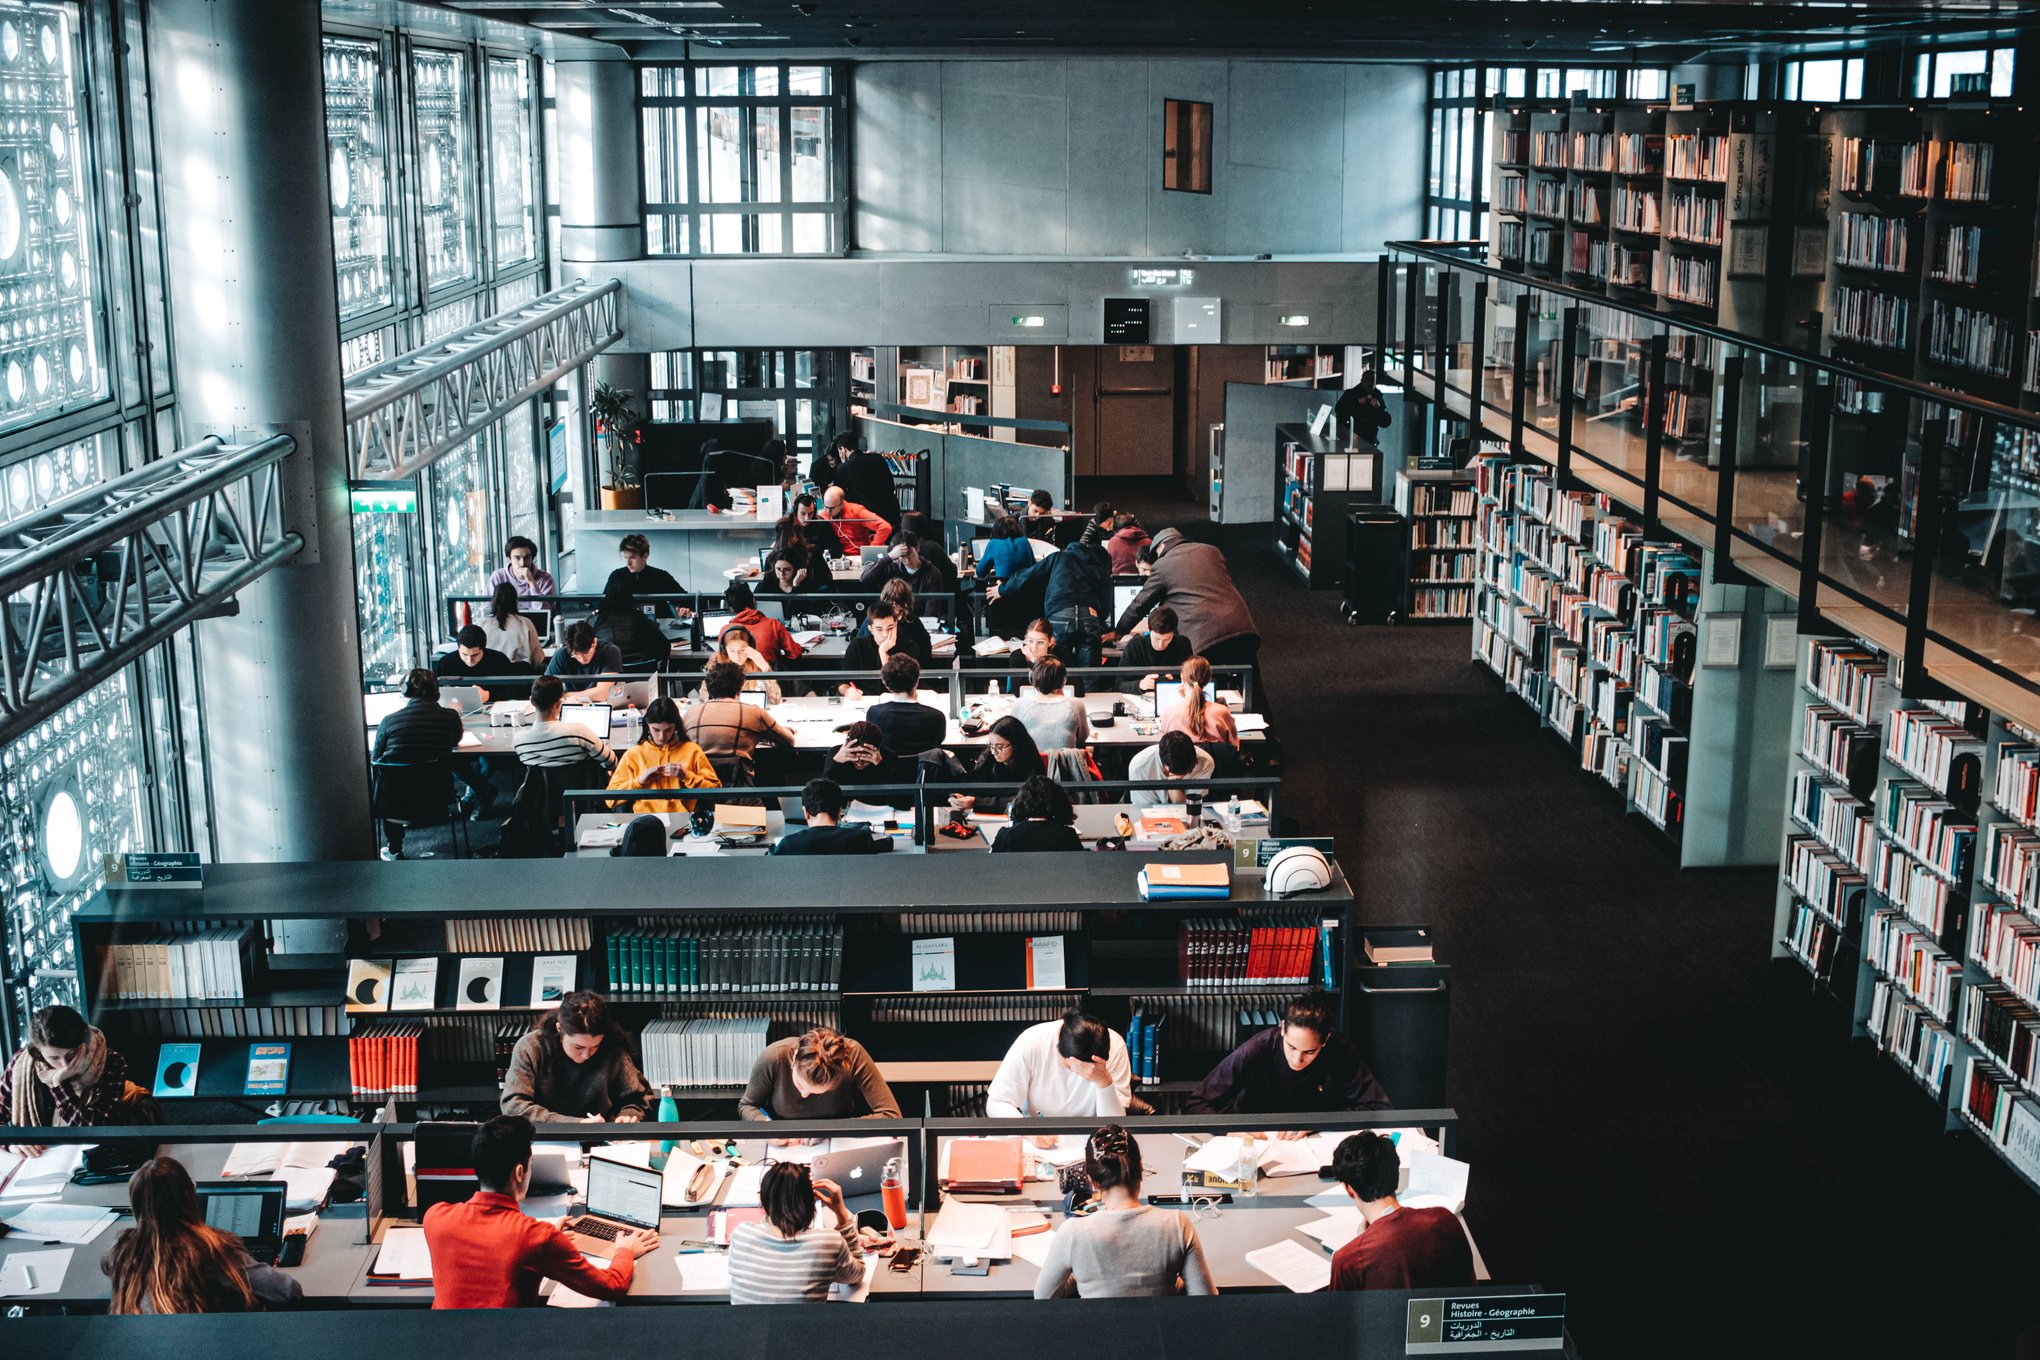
(1498, 1322)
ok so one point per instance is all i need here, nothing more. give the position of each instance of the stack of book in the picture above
(713, 1051)
(382, 1059)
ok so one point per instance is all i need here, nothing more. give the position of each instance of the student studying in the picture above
(66, 1076)
(817, 1075)
(1301, 1066)
(821, 801)
(488, 1253)
(575, 1065)
(173, 1261)
(1072, 1067)
(789, 1257)
(1399, 1248)
(1124, 1249)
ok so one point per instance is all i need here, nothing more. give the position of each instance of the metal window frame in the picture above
(499, 271)
(825, 392)
(835, 208)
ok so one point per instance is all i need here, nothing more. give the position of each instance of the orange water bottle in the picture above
(893, 1195)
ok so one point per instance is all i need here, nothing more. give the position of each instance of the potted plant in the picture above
(616, 434)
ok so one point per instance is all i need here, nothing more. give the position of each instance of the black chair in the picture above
(536, 827)
(415, 794)
(1225, 759)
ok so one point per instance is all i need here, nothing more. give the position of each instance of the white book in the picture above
(552, 977)
(480, 985)
(415, 985)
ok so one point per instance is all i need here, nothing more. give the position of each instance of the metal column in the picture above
(251, 246)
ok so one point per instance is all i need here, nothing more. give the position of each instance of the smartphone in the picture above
(905, 1259)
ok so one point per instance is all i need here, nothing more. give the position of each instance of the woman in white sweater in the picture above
(508, 631)
(1056, 720)
(1125, 1249)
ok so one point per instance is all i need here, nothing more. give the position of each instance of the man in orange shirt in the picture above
(487, 1253)
(774, 643)
(854, 524)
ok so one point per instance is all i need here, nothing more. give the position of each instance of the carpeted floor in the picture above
(1661, 1120)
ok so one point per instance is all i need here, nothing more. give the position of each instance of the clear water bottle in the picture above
(1248, 1172)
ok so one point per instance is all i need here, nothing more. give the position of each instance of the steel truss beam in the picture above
(403, 414)
(92, 582)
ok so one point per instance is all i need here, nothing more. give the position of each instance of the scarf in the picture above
(32, 1104)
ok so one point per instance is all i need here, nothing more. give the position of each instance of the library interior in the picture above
(1591, 907)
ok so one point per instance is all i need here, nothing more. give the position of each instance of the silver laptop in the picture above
(466, 698)
(594, 717)
(621, 1199)
(869, 553)
(1122, 599)
(859, 1170)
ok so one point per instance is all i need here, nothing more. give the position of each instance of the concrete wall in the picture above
(1063, 157)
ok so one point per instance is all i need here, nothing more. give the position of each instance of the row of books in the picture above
(1916, 1040)
(1543, 246)
(1441, 601)
(1656, 797)
(1911, 887)
(2006, 1027)
(1907, 955)
(1822, 879)
(1587, 206)
(1510, 196)
(1547, 150)
(1144, 1044)
(1968, 337)
(1701, 156)
(1637, 209)
(1814, 940)
(1965, 170)
(1441, 533)
(2006, 943)
(1842, 822)
(711, 1051)
(688, 958)
(1226, 952)
(1509, 240)
(1033, 1008)
(1993, 1103)
(1838, 746)
(1211, 1024)
(382, 1059)
(2011, 864)
(1868, 241)
(990, 923)
(1694, 216)
(1661, 746)
(234, 1022)
(1941, 754)
(1930, 827)
(1633, 267)
(519, 934)
(1428, 498)
(1957, 254)
(1592, 151)
(1587, 255)
(1547, 198)
(1639, 153)
(1869, 316)
(1850, 677)
(1687, 279)
(207, 965)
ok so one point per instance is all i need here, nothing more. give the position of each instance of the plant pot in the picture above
(623, 498)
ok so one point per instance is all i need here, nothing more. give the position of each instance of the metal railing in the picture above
(91, 582)
(1892, 509)
(403, 414)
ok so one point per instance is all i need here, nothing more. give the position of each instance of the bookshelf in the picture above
(1440, 507)
(1601, 632)
(753, 962)
(1318, 483)
(1307, 365)
(960, 380)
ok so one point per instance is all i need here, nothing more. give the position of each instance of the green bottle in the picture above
(669, 1113)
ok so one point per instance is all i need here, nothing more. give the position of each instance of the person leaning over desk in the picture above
(551, 741)
(1174, 757)
(488, 1253)
(575, 1065)
(663, 758)
(173, 1261)
(422, 731)
(1302, 1066)
(1191, 713)
(822, 803)
(506, 630)
(1161, 648)
(520, 570)
(1399, 1248)
(1056, 720)
(789, 1258)
(817, 1075)
(1070, 1068)
(727, 727)
(905, 724)
(586, 654)
(473, 657)
(619, 622)
(66, 1076)
(771, 637)
(637, 576)
(1126, 1249)
(1042, 819)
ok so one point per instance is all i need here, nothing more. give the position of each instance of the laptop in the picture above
(380, 706)
(621, 1199)
(466, 698)
(859, 1170)
(712, 625)
(594, 717)
(1122, 598)
(251, 1210)
(869, 553)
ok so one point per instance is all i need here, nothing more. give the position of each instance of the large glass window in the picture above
(51, 304)
(442, 106)
(460, 529)
(742, 160)
(793, 388)
(1978, 70)
(358, 149)
(513, 197)
(1830, 80)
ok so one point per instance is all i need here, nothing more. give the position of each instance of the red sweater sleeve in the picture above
(557, 1258)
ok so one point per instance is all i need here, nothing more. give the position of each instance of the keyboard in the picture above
(596, 1227)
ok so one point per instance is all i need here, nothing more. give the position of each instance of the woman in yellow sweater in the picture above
(663, 759)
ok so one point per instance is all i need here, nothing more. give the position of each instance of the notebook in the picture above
(985, 1166)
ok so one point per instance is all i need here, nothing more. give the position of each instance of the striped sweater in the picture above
(559, 742)
(768, 1268)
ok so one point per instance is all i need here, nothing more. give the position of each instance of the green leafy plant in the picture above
(616, 425)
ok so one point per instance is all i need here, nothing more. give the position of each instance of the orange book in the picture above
(984, 1164)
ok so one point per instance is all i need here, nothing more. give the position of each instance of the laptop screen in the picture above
(594, 717)
(380, 706)
(1122, 598)
(626, 1193)
(250, 1212)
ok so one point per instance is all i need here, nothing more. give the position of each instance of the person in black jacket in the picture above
(1010, 757)
(1042, 819)
(1302, 1066)
(862, 761)
(905, 724)
(638, 576)
(884, 636)
(1078, 600)
(828, 463)
(621, 623)
(1159, 652)
(822, 801)
(422, 731)
(820, 535)
(867, 479)
(472, 658)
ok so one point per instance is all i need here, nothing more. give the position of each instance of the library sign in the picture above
(1494, 1323)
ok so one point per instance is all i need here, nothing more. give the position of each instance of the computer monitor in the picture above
(974, 505)
(250, 1210)
(712, 625)
(1122, 597)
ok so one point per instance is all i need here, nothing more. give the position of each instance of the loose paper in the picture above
(1293, 1266)
(74, 1223)
(935, 965)
(405, 1255)
(24, 1274)
(744, 1188)
(1336, 1228)
(1033, 1248)
(563, 1297)
(704, 1272)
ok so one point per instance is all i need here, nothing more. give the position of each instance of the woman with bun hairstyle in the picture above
(1126, 1249)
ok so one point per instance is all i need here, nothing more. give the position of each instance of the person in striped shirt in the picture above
(790, 1258)
(551, 742)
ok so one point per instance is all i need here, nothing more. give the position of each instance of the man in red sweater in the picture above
(855, 525)
(487, 1253)
(773, 641)
(1399, 1248)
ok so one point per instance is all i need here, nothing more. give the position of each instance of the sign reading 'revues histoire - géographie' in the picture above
(176, 869)
(1498, 1322)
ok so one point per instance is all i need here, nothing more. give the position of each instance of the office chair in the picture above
(418, 794)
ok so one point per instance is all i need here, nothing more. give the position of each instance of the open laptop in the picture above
(1122, 597)
(859, 1170)
(868, 554)
(251, 1210)
(594, 717)
(466, 698)
(621, 1199)
(380, 706)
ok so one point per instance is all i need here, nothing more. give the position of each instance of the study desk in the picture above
(694, 545)
(334, 1257)
(480, 736)
(1095, 822)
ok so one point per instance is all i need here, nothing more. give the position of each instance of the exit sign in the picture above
(383, 498)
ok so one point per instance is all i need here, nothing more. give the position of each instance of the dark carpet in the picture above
(1661, 1120)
